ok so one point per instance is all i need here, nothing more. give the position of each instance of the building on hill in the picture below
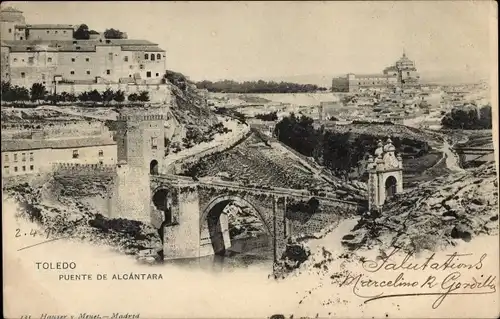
(9, 19)
(31, 156)
(46, 53)
(402, 74)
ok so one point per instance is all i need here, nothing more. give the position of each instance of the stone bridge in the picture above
(189, 213)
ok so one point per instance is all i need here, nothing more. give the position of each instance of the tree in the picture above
(82, 33)
(119, 96)
(84, 97)
(7, 92)
(113, 34)
(108, 95)
(95, 96)
(132, 97)
(470, 118)
(37, 92)
(21, 93)
(143, 96)
(267, 117)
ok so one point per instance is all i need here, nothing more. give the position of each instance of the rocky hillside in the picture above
(255, 161)
(189, 105)
(65, 216)
(434, 215)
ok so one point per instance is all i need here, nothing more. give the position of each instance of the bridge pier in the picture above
(279, 228)
(181, 237)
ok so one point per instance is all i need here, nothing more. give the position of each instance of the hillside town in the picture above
(102, 142)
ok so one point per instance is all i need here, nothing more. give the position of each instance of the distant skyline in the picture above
(286, 40)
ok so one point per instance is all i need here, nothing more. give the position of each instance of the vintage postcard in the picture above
(295, 159)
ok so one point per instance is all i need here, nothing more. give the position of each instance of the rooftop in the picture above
(80, 45)
(33, 144)
(46, 26)
(10, 9)
(373, 76)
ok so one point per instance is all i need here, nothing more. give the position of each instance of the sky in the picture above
(283, 40)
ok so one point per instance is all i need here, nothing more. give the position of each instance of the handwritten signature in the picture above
(453, 283)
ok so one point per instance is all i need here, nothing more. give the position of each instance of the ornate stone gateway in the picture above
(385, 174)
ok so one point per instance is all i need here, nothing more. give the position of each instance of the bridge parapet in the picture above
(179, 181)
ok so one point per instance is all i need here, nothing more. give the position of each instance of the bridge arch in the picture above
(211, 232)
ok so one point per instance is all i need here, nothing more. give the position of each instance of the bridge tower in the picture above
(141, 152)
(385, 174)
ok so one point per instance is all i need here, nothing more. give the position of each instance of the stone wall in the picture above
(180, 165)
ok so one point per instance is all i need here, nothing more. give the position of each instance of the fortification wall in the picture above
(181, 164)
(52, 129)
(92, 184)
(82, 169)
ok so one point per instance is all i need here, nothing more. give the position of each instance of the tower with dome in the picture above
(385, 171)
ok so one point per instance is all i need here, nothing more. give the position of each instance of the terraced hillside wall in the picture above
(90, 183)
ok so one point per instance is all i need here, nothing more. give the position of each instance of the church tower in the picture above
(385, 174)
(141, 152)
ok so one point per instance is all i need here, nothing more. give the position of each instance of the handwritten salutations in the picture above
(453, 276)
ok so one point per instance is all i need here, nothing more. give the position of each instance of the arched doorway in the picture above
(163, 202)
(390, 186)
(153, 167)
(225, 230)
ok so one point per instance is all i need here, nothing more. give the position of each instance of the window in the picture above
(15, 168)
(75, 154)
(24, 168)
(154, 143)
(141, 66)
(49, 59)
(72, 72)
(110, 56)
(407, 73)
(31, 60)
(64, 31)
(10, 30)
(21, 38)
(31, 156)
(72, 59)
(23, 75)
(101, 153)
(130, 66)
(148, 74)
(31, 167)
(152, 57)
(101, 162)
(158, 56)
(87, 59)
(15, 157)
(47, 31)
(23, 157)
(15, 59)
(6, 169)
(55, 32)
(88, 72)
(108, 71)
(125, 58)
(146, 56)
(6, 158)
(157, 74)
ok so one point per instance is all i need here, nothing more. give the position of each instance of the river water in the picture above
(244, 252)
